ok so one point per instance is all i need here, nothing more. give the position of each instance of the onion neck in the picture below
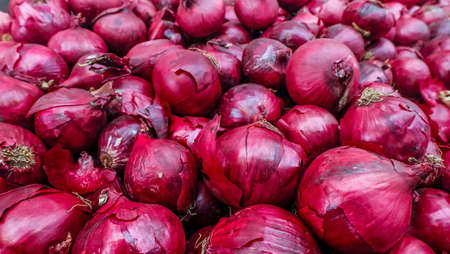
(343, 72)
(189, 3)
(371, 95)
(363, 32)
(21, 157)
(444, 97)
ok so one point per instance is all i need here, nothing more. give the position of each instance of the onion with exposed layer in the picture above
(185, 130)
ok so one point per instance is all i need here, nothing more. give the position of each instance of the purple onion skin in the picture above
(185, 130)
(228, 68)
(382, 49)
(200, 18)
(408, 73)
(409, 244)
(410, 31)
(347, 35)
(91, 8)
(250, 14)
(291, 33)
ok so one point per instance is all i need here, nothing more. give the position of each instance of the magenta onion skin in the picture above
(339, 211)
(21, 155)
(170, 4)
(56, 218)
(228, 67)
(36, 21)
(411, 30)
(200, 18)
(311, 21)
(291, 33)
(261, 229)
(161, 171)
(91, 8)
(230, 13)
(185, 130)
(313, 128)
(396, 8)
(430, 14)
(5, 186)
(381, 49)
(408, 73)
(197, 242)
(410, 244)
(408, 52)
(242, 181)
(188, 81)
(439, 64)
(431, 218)
(439, 44)
(164, 27)
(16, 98)
(250, 14)
(234, 49)
(292, 5)
(234, 32)
(120, 28)
(145, 10)
(348, 36)
(73, 43)
(329, 11)
(322, 72)
(133, 83)
(371, 72)
(445, 177)
(248, 103)
(153, 228)
(68, 117)
(5, 26)
(440, 29)
(264, 62)
(373, 121)
(143, 56)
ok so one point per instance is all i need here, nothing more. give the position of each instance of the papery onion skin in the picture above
(357, 218)
(382, 49)
(234, 49)
(370, 73)
(161, 171)
(311, 21)
(5, 26)
(410, 30)
(250, 14)
(55, 217)
(200, 18)
(5, 186)
(323, 72)
(228, 68)
(410, 244)
(91, 8)
(313, 128)
(132, 227)
(397, 8)
(73, 43)
(291, 33)
(439, 64)
(21, 155)
(386, 123)
(329, 11)
(348, 36)
(431, 218)
(164, 27)
(264, 62)
(16, 98)
(261, 229)
(234, 32)
(192, 72)
(408, 73)
(185, 130)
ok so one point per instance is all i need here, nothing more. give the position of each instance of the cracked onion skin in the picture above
(185, 130)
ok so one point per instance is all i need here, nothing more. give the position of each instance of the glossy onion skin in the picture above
(348, 36)
(197, 242)
(91, 8)
(185, 130)
(431, 218)
(291, 33)
(234, 32)
(41, 220)
(14, 137)
(261, 229)
(329, 11)
(188, 81)
(439, 64)
(250, 14)
(409, 244)
(161, 171)
(408, 73)
(382, 49)
(410, 30)
(200, 18)
(152, 228)
(228, 68)
(313, 128)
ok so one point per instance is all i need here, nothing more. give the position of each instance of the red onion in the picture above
(261, 229)
(185, 130)
(75, 42)
(313, 128)
(226, 47)
(440, 29)
(407, 3)
(322, 72)
(36, 21)
(192, 72)
(228, 68)
(230, 13)
(89, 9)
(16, 98)
(292, 5)
(311, 21)
(5, 46)
(164, 27)
(234, 32)
(120, 28)
(386, 67)
(200, 18)
(197, 242)
(5, 186)
(411, 30)
(243, 162)
(384, 122)
(408, 52)
(329, 11)
(170, 4)
(410, 244)
(445, 178)
(127, 227)
(348, 196)
(348, 36)
(248, 103)
(264, 61)
(408, 73)
(38, 219)
(436, 45)
(381, 49)
(396, 8)
(439, 64)
(5, 26)
(70, 117)
(145, 10)
(372, 73)
(256, 14)
(35, 64)
(21, 155)
(291, 33)
(133, 83)
(431, 218)
(430, 14)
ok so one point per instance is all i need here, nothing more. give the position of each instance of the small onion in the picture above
(89, 9)
(381, 49)
(185, 130)
(164, 27)
(408, 52)
(170, 4)
(145, 10)
(228, 67)
(234, 32)
(200, 18)
(436, 45)
(370, 73)
(348, 36)
(430, 14)
(234, 49)
(408, 73)
(439, 64)
(291, 33)
(256, 14)
(409, 244)
(311, 21)
(440, 29)
(292, 5)
(411, 30)
(329, 11)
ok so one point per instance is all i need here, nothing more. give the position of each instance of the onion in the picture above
(348, 197)
(161, 171)
(408, 52)
(431, 218)
(410, 244)
(370, 73)
(226, 47)
(120, 28)
(36, 21)
(89, 9)
(230, 14)
(313, 128)
(16, 98)
(329, 11)
(200, 18)
(381, 49)
(291, 33)
(70, 117)
(369, 17)
(21, 155)
(397, 8)
(436, 45)
(264, 61)
(311, 21)
(132, 227)
(250, 13)
(185, 130)
(261, 229)
(228, 68)
(322, 72)
(242, 163)
(197, 242)
(445, 178)
(5, 26)
(234, 32)
(38, 219)
(411, 30)
(164, 27)
(248, 103)
(137, 84)
(408, 73)
(145, 10)
(75, 42)
(35, 64)
(440, 29)
(188, 81)
(292, 5)
(5, 47)
(384, 122)
(348, 36)
(439, 64)
(5, 186)
(170, 4)
(430, 14)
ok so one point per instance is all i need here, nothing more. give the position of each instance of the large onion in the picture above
(200, 18)
(291, 33)
(250, 14)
